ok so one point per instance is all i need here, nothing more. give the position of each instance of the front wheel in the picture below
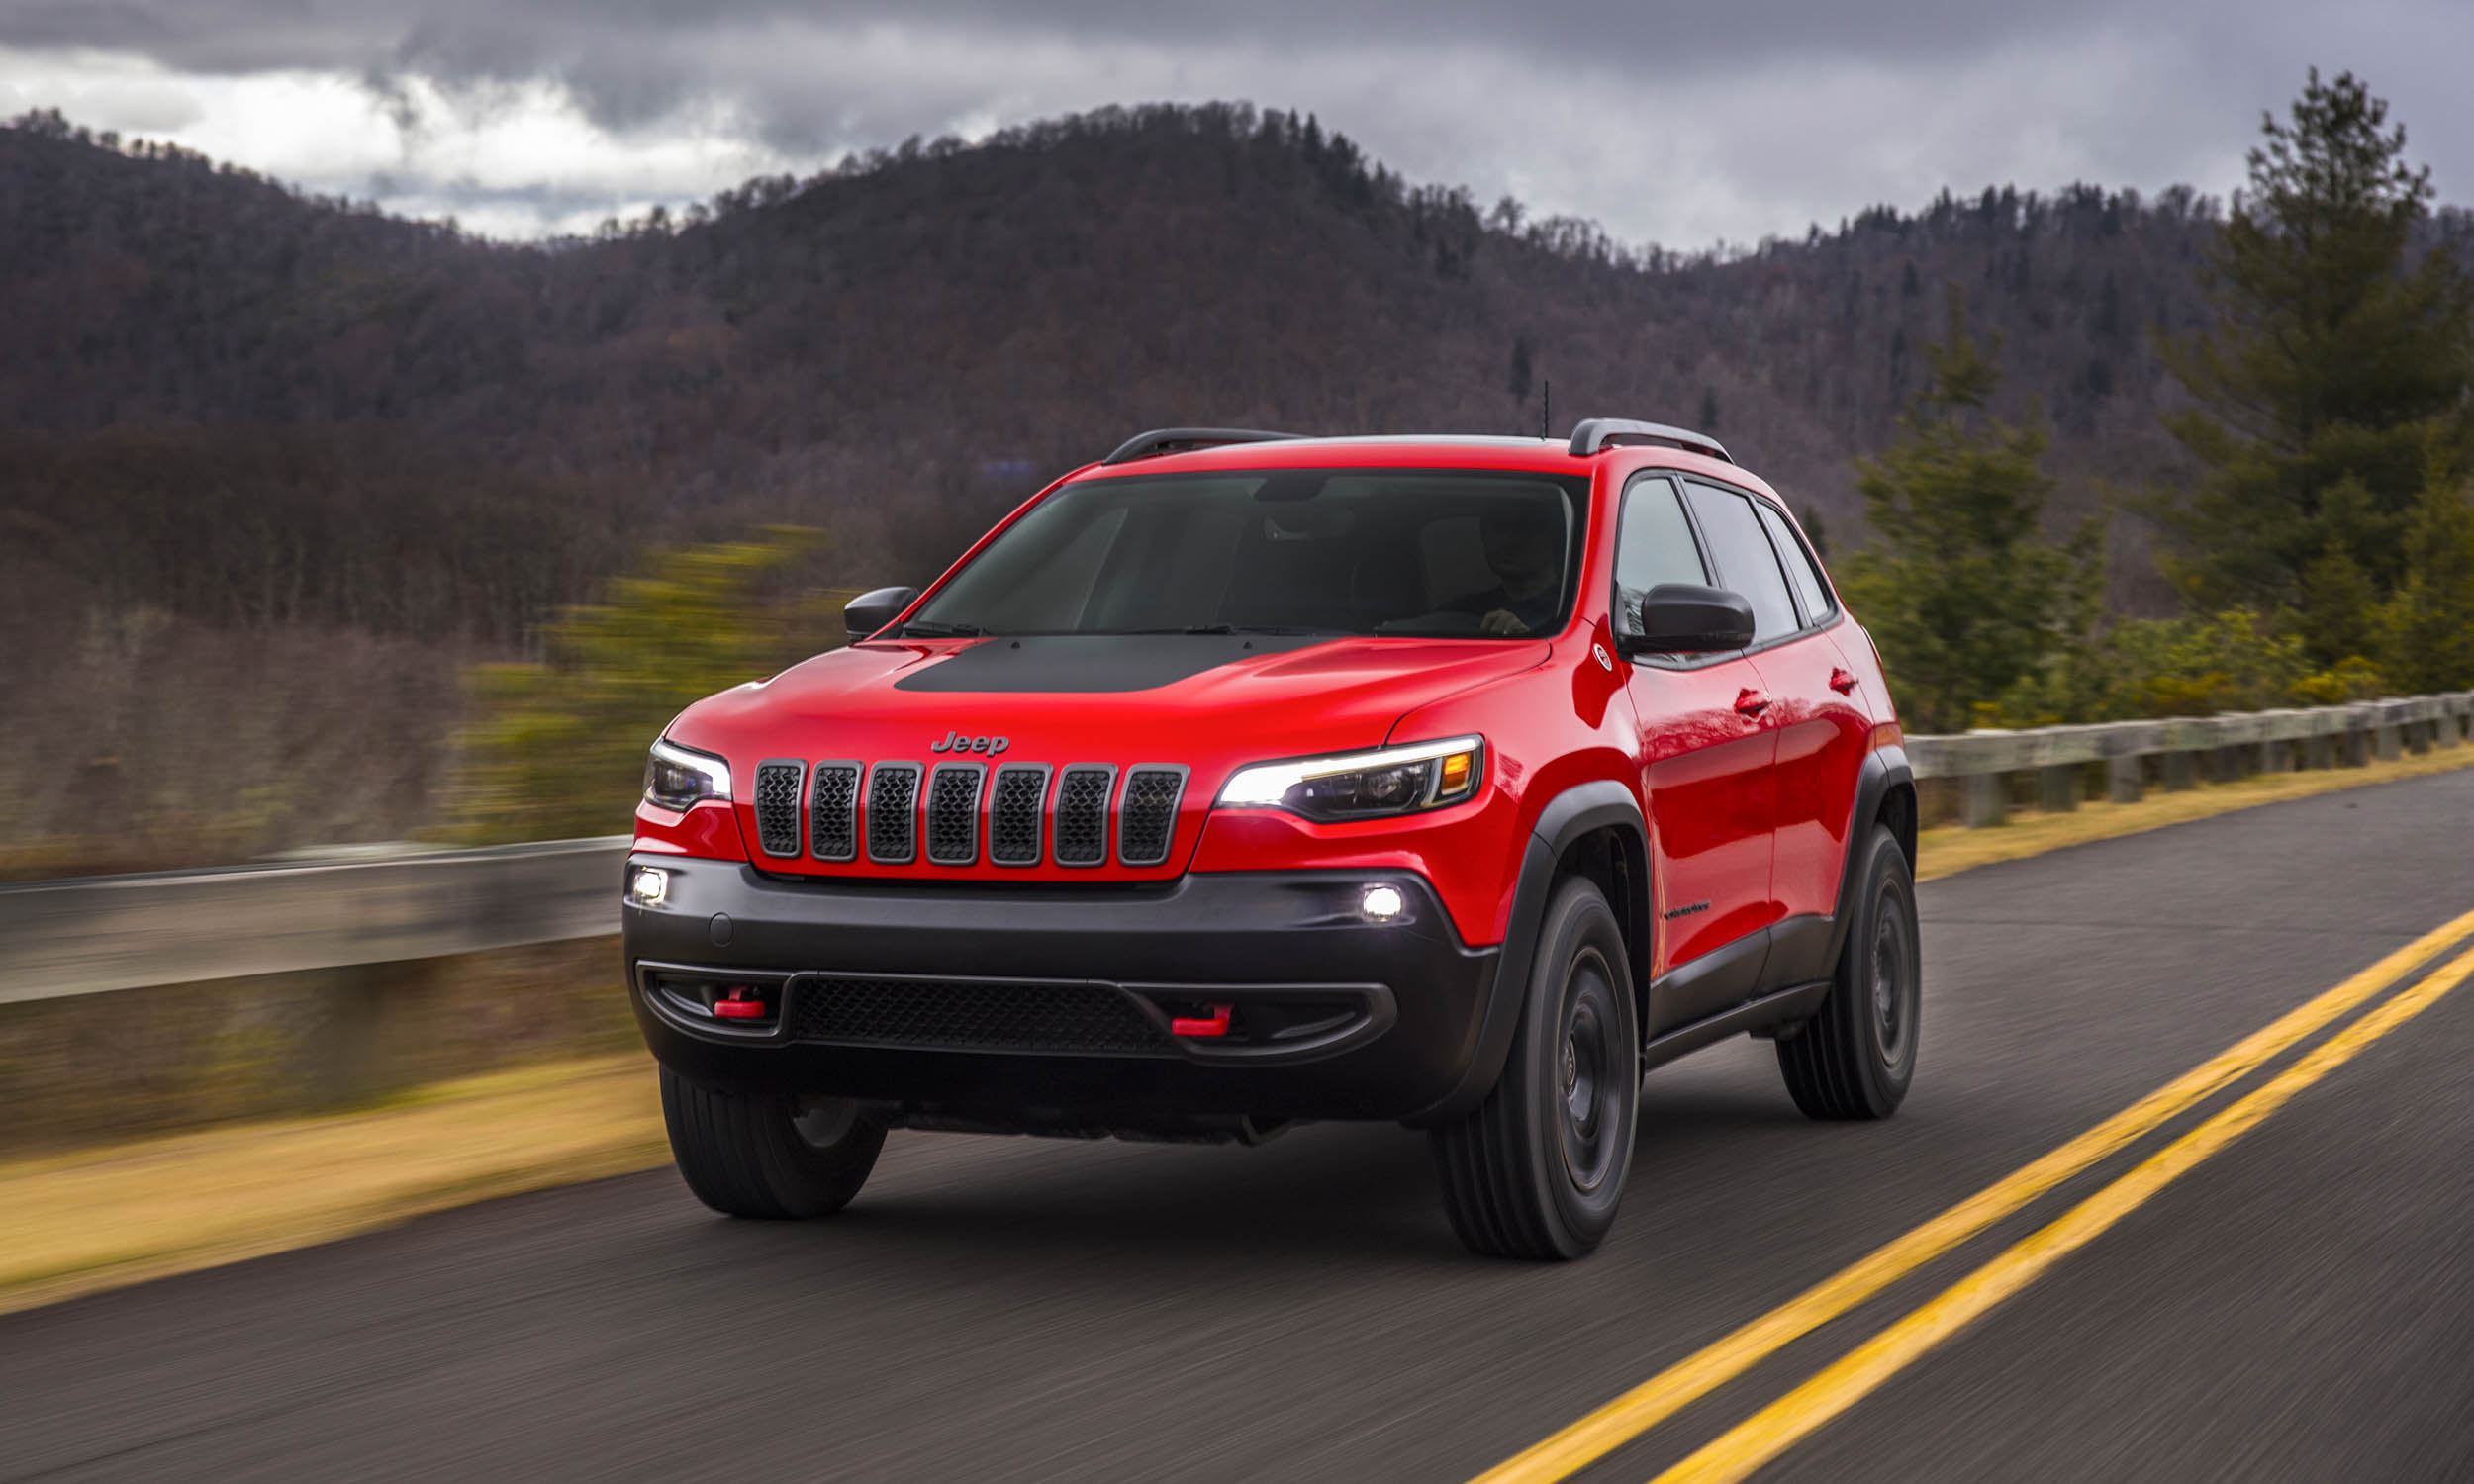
(1538, 1170)
(769, 1158)
(1857, 1054)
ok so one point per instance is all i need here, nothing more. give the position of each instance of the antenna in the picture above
(1546, 410)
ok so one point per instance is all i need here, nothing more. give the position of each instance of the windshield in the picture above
(1341, 551)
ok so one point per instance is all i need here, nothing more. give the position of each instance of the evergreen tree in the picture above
(1967, 598)
(2429, 624)
(2333, 362)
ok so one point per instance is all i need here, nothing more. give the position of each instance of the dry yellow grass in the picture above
(102, 1218)
(1951, 849)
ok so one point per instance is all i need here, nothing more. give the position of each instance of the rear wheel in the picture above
(767, 1157)
(1857, 1054)
(1538, 1170)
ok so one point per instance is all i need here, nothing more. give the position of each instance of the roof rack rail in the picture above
(1160, 440)
(1591, 434)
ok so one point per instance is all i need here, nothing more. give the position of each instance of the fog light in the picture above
(1381, 903)
(649, 886)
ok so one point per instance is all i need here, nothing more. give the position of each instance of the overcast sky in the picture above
(1680, 124)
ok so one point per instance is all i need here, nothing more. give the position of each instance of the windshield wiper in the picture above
(925, 629)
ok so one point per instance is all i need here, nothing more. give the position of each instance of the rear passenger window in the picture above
(1655, 543)
(1744, 562)
(1810, 593)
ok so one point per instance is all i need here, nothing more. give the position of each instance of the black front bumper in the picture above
(1049, 1009)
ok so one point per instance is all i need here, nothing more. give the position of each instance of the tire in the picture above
(1538, 1170)
(1856, 1056)
(763, 1156)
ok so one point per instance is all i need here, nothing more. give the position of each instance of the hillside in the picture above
(936, 330)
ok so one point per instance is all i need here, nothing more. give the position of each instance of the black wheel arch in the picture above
(1593, 829)
(1885, 794)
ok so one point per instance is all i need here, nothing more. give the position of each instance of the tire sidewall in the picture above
(1579, 923)
(1888, 889)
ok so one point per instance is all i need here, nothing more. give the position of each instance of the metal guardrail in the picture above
(2232, 745)
(179, 927)
(353, 908)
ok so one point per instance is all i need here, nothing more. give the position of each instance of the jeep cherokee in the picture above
(1243, 779)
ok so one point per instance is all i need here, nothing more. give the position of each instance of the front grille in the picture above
(1148, 817)
(1082, 829)
(893, 812)
(953, 813)
(1016, 803)
(777, 807)
(972, 1015)
(833, 812)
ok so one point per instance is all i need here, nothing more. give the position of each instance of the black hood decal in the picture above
(1088, 663)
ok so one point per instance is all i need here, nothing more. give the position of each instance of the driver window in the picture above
(1654, 544)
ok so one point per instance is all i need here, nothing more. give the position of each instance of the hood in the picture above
(1209, 704)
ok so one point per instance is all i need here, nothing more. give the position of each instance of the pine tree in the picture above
(1965, 596)
(2334, 361)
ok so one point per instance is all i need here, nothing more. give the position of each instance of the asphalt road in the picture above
(2299, 1307)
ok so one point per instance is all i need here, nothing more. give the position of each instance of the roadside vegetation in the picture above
(2322, 549)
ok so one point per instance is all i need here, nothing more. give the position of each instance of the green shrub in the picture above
(558, 748)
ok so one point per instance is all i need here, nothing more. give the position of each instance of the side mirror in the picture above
(870, 611)
(1683, 618)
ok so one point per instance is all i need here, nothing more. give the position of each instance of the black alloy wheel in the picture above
(1538, 1170)
(1856, 1056)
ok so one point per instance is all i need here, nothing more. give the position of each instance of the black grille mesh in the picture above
(1051, 1017)
(1083, 815)
(893, 796)
(776, 808)
(1015, 803)
(1148, 817)
(832, 821)
(953, 813)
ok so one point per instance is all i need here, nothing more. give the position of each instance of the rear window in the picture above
(1477, 554)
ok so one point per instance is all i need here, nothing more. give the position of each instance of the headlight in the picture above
(674, 777)
(1363, 784)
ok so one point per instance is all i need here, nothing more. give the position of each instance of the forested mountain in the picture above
(233, 409)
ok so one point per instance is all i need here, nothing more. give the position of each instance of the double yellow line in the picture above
(1780, 1424)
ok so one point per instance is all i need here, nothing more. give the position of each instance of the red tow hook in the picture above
(1196, 1025)
(744, 1003)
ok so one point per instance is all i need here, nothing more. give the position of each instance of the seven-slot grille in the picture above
(833, 812)
(777, 807)
(1028, 812)
(953, 813)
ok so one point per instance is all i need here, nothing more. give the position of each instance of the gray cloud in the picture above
(1677, 122)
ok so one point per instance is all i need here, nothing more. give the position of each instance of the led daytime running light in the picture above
(1265, 786)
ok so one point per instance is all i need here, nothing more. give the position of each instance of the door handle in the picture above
(1842, 682)
(1751, 702)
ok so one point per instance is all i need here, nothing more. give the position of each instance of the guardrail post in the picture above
(345, 1050)
(2318, 751)
(2125, 782)
(2276, 756)
(2386, 732)
(1986, 799)
(2181, 771)
(2057, 787)
(2419, 736)
(2357, 752)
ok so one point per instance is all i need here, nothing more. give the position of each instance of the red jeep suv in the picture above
(1241, 778)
